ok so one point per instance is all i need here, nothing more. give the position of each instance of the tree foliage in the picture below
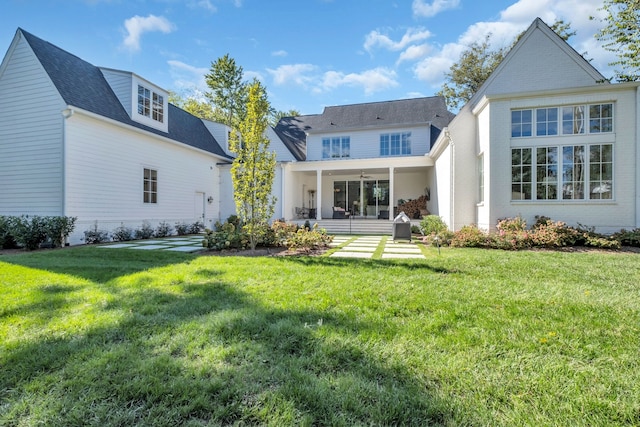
(621, 34)
(276, 115)
(253, 169)
(476, 64)
(228, 89)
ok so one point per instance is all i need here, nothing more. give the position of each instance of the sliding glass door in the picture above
(365, 198)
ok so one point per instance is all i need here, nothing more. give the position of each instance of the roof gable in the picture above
(540, 60)
(83, 85)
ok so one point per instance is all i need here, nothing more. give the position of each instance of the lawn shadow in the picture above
(211, 354)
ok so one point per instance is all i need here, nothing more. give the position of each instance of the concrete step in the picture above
(356, 226)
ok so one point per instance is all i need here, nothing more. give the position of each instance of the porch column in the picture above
(392, 197)
(318, 194)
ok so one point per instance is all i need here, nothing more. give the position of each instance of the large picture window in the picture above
(150, 186)
(567, 120)
(395, 144)
(574, 172)
(336, 147)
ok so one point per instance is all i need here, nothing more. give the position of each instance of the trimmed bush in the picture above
(163, 229)
(432, 224)
(145, 232)
(469, 236)
(122, 234)
(95, 236)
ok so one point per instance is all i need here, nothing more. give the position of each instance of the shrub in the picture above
(182, 228)
(145, 232)
(163, 229)
(628, 238)
(122, 234)
(196, 228)
(306, 240)
(59, 228)
(28, 232)
(554, 234)
(283, 232)
(94, 235)
(510, 240)
(511, 224)
(227, 236)
(442, 238)
(469, 236)
(431, 224)
(6, 239)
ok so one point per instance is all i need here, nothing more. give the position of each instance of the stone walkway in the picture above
(366, 247)
(349, 246)
(177, 244)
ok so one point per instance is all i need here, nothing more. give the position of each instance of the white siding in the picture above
(606, 215)
(120, 82)
(221, 134)
(104, 176)
(365, 144)
(30, 136)
(483, 208)
(275, 144)
(539, 63)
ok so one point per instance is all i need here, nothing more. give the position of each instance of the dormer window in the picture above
(150, 104)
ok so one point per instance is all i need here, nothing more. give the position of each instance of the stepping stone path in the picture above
(366, 246)
(176, 244)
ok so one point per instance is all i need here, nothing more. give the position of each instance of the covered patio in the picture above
(363, 189)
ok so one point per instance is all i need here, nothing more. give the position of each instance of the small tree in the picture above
(253, 170)
(228, 90)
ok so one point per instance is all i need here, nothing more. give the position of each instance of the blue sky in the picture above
(308, 53)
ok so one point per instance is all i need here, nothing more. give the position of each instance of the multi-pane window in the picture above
(521, 173)
(568, 120)
(573, 172)
(521, 123)
(480, 170)
(547, 173)
(573, 120)
(150, 104)
(600, 118)
(150, 186)
(395, 144)
(600, 171)
(546, 121)
(336, 147)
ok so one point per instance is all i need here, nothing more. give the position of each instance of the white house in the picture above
(545, 135)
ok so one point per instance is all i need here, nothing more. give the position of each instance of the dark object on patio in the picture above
(383, 215)
(401, 227)
(340, 213)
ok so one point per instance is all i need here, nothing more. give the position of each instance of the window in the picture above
(562, 173)
(521, 174)
(547, 173)
(150, 186)
(395, 144)
(600, 118)
(150, 104)
(573, 120)
(336, 147)
(520, 123)
(546, 121)
(481, 178)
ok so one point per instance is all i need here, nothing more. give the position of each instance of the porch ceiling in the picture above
(366, 166)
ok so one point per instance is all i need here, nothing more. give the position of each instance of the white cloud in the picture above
(204, 4)
(426, 9)
(371, 81)
(187, 76)
(139, 25)
(412, 35)
(413, 53)
(298, 74)
(511, 22)
(280, 53)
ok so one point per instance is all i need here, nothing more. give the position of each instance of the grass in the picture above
(468, 337)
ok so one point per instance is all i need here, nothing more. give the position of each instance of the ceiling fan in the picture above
(363, 176)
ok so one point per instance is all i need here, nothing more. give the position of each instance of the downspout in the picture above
(66, 114)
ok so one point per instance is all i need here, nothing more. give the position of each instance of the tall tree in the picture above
(476, 64)
(621, 34)
(228, 89)
(253, 169)
(196, 106)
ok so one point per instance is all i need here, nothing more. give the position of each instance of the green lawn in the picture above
(90, 336)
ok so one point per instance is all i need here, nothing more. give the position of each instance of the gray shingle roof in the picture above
(293, 130)
(82, 85)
